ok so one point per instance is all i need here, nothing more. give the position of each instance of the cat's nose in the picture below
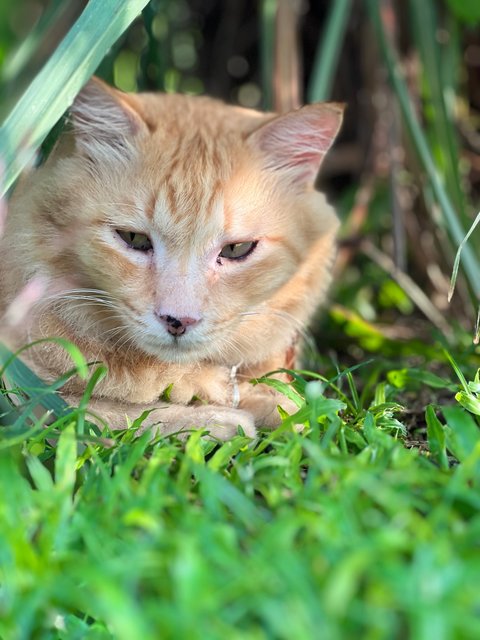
(177, 326)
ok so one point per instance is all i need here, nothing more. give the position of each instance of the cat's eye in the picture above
(134, 240)
(237, 250)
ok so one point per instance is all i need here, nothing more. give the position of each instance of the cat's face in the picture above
(197, 220)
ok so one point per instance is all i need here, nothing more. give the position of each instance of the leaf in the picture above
(354, 437)
(282, 387)
(99, 373)
(28, 48)
(369, 429)
(400, 378)
(328, 51)
(21, 376)
(65, 461)
(55, 87)
(456, 263)
(469, 401)
(465, 10)
(458, 371)
(40, 475)
(462, 434)
(436, 438)
(223, 455)
(193, 448)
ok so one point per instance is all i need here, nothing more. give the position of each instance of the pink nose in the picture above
(177, 326)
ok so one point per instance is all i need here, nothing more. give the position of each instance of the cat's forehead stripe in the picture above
(182, 218)
(150, 205)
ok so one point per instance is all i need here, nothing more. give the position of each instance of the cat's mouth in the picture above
(177, 349)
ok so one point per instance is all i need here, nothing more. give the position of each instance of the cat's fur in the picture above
(194, 175)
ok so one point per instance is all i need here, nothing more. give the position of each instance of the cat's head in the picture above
(198, 220)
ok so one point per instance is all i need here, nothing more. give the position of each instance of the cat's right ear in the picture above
(294, 145)
(106, 122)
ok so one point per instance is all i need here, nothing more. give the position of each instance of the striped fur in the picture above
(194, 175)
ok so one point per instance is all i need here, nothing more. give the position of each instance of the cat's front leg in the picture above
(166, 418)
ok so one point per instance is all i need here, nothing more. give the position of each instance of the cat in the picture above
(183, 244)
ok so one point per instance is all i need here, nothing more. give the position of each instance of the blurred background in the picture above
(405, 172)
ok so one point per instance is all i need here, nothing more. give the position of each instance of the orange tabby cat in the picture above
(183, 244)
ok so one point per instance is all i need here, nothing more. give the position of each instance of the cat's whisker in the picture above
(75, 299)
(70, 294)
(91, 296)
(231, 345)
(128, 341)
(306, 335)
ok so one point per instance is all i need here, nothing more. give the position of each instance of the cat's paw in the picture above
(210, 383)
(221, 422)
(263, 405)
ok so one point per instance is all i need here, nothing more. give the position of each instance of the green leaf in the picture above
(267, 54)
(65, 461)
(436, 438)
(458, 371)
(401, 378)
(99, 373)
(228, 449)
(40, 475)
(462, 434)
(284, 388)
(328, 51)
(469, 401)
(465, 10)
(194, 448)
(55, 87)
(19, 375)
(28, 48)
(9, 359)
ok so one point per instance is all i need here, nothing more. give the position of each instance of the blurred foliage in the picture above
(465, 10)
(104, 535)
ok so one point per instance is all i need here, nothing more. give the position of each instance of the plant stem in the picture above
(471, 265)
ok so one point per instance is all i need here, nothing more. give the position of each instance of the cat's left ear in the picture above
(106, 121)
(296, 143)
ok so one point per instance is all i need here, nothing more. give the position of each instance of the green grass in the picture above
(338, 531)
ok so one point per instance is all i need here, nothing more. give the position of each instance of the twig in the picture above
(417, 296)
(286, 78)
(355, 222)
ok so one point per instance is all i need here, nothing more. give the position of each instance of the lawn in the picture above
(361, 525)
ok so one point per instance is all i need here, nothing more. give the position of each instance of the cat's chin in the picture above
(178, 352)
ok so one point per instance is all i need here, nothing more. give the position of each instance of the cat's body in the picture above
(183, 244)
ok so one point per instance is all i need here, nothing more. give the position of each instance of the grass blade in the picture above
(456, 263)
(21, 376)
(328, 51)
(442, 134)
(436, 438)
(267, 52)
(471, 264)
(28, 50)
(55, 87)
